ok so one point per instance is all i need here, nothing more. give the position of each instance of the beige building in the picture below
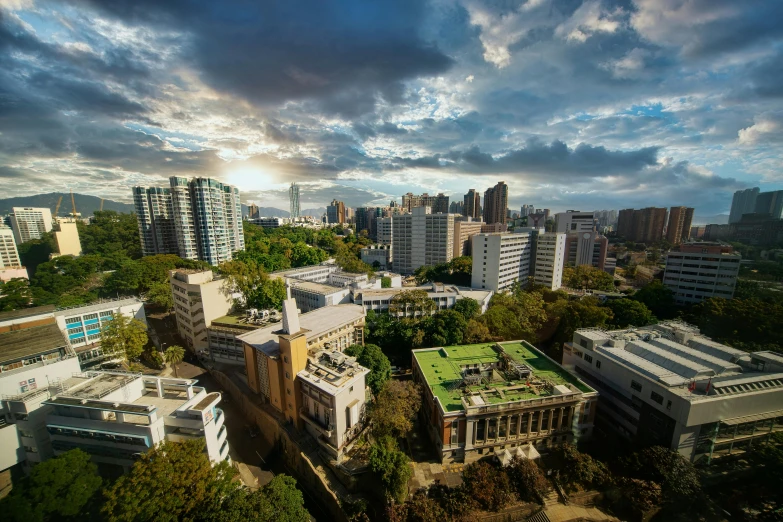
(67, 236)
(550, 255)
(9, 255)
(301, 371)
(463, 232)
(422, 238)
(199, 298)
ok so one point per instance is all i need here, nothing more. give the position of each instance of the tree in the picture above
(160, 295)
(747, 324)
(477, 332)
(579, 468)
(487, 485)
(391, 466)
(371, 357)
(60, 488)
(125, 336)
(174, 355)
(36, 251)
(251, 280)
(15, 294)
(394, 408)
(445, 328)
(678, 478)
(628, 312)
(469, 308)
(527, 479)
(641, 495)
(111, 233)
(588, 277)
(658, 298)
(386, 282)
(571, 315)
(173, 481)
(411, 302)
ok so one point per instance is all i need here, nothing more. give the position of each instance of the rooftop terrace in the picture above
(456, 371)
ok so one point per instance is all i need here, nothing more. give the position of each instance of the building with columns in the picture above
(499, 400)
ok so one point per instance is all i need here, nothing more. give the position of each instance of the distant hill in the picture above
(85, 205)
(276, 212)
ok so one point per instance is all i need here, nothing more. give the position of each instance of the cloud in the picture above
(588, 19)
(767, 128)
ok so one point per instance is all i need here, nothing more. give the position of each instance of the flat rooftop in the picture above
(443, 370)
(28, 342)
(26, 312)
(97, 307)
(316, 288)
(331, 370)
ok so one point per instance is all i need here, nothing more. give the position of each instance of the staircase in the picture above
(551, 498)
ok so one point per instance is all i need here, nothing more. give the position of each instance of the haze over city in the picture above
(595, 104)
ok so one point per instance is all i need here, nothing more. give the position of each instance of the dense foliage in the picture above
(371, 357)
(391, 466)
(458, 271)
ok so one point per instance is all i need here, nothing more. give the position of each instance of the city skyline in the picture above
(575, 105)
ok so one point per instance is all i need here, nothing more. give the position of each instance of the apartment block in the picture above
(501, 259)
(199, 298)
(301, 371)
(495, 204)
(155, 214)
(700, 270)
(438, 204)
(335, 212)
(549, 259)
(463, 236)
(422, 238)
(502, 400)
(770, 203)
(472, 205)
(30, 223)
(9, 255)
(384, 230)
(381, 254)
(642, 226)
(669, 385)
(743, 202)
(679, 227)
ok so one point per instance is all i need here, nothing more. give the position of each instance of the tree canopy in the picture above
(588, 277)
(629, 312)
(124, 335)
(371, 357)
(394, 408)
(391, 466)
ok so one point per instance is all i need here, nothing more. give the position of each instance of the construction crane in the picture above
(73, 204)
(101, 209)
(57, 206)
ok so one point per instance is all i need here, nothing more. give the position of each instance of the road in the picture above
(255, 453)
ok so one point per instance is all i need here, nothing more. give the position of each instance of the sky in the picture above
(594, 104)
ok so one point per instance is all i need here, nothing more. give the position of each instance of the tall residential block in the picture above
(422, 238)
(472, 205)
(586, 248)
(198, 299)
(501, 259)
(293, 200)
(549, 259)
(642, 226)
(625, 223)
(679, 228)
(9, 255)
(770, 203)
(195, 219)
(437, 204)
(669, 385)
(30, 223)
(456, 207)
(496, 204)
(743, 202)
(335, 212)
(463, 235)
(253, 211)
(384, 230)
(699, 270)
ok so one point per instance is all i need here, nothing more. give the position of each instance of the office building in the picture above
(679, 228)
(300, 371)
(605, 218)
(367, 219)
(494, 228)
(472, 205)
(495, 204)
(195, 219)
(421, 238)
(586, 248)
(669, 385)
(437, 204)
(30, 223)
(199, 298)
(770, 203)
(443, 296)
(700, 270)
(502, 400)
(66, 235)
(293, 200)
(380, 254)
(384, 230)
(9, 255)
(463, 236)
(269, 222)
(549, 259)
(743, 202)
(310, 296)
(335, 212)
(642, 226)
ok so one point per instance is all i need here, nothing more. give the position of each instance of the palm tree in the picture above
(173, 355)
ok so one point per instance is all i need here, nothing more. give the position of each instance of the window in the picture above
(583, 343)
(589, 358)
(656, 397)
(288, 376)
(668, 405)
(454, 431)
(598, 364)
(636, 386)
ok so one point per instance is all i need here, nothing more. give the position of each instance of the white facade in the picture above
(30, 223)
(154, 208)
(9, 255)
(573, 222)
(695, 275)
(198, 299)
(444, 297)
(316, 273)
(311, 296)
(667, 384)
(381, 253)
(384, 230)
(501, 259)
(550, 252)
(421, 238)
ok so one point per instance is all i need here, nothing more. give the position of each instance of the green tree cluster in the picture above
(588, 278)
(125, 336)
(391, 466)
(395, 408)
(371, 357)
(458, 271)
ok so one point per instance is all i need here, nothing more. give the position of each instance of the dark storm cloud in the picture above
(346, 54)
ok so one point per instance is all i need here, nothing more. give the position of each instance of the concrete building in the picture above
(700, 270)
(195, 219)
(269, 222)
(311, 296)
(494, 228)
(669, 385)
(574, 222)
(293, 200)
(67, 237)
(9, 255)
(422, 238)
(679, 227)
(384, 230)
(301, 371)
(382, 254)
(586, 248)
(252, 211)
(317, 273)
(19, 272)
(198, 299)
(501, 259)
(495, 204)
(770, 203)
(438, 204)
(335, 212)
(625, 223)
(501, 400)
(444, 296)
(642, 226)
(463, 236)
(30, 223)
(743, 202)
(549, 259)
(224, 344)
(698, 232)
(472, 205)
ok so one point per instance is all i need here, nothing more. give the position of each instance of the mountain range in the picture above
(85, 205)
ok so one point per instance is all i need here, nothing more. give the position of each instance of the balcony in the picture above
(326, 431)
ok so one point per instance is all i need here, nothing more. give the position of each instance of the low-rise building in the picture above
(9, 255)
(501, 399)
(317, 273)
(301, 371)
(444, 296)
(382, 254)
(310, 295)
(269, 222)
(198, 299)
(224, 332)
(699, 270)
(586, 248)
(669, 385)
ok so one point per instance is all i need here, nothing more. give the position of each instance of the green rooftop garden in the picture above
(443, 373)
